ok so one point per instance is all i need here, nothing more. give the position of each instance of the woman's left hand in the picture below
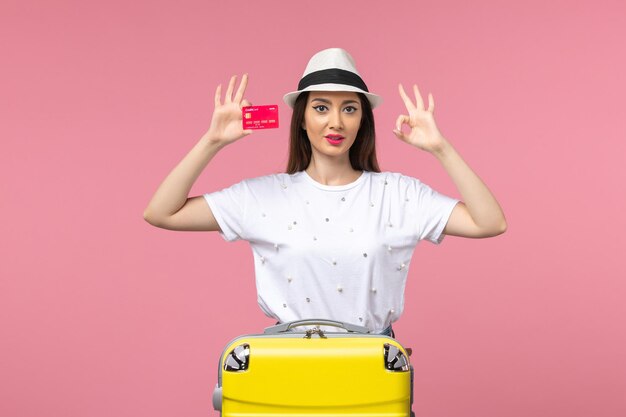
(424, 133)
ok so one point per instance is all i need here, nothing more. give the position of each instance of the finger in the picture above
(418, 97)
(245, 103)
(242, 88)
(218, 96)
(400, 121)
(247, 132)
(431, 103)
(400, 135)
(229, 91)
(407, 101)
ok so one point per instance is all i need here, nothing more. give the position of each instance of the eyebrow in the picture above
(323, 100)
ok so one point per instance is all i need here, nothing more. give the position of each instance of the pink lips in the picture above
(334, 139)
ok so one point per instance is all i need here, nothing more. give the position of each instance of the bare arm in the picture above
(480, 214)
(171, 207)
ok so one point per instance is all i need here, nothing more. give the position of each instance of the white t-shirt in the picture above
(332, 252)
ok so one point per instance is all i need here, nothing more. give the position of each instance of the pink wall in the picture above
(103, 315)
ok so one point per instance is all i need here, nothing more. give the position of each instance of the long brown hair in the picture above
(363, 150)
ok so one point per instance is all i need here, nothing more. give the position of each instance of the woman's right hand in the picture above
(226, 123)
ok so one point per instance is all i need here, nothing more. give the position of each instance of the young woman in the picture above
(332, 237)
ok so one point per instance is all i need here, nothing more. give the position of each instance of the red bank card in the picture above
(260, 117)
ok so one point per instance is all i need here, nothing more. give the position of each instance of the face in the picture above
(332, 120)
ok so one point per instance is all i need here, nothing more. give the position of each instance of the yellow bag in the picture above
(285, 372)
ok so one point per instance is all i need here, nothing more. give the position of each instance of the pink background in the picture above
(103, 315)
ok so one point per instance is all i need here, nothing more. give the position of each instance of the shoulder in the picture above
(266, 184)
(270, 180)
(394, 178)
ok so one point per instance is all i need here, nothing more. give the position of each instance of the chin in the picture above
(335, 151)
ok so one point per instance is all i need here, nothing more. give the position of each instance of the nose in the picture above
(335, 120)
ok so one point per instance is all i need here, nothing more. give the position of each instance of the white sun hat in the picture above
(331, 70)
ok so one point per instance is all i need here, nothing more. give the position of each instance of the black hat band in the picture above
(332, 76)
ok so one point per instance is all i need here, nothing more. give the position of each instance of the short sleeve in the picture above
(434, 210)
(229, 209)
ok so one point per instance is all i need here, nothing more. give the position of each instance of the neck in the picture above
(330, 171)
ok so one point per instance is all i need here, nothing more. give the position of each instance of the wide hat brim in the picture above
(290, 98)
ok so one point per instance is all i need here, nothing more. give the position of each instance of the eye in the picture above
(350, 109)
(320, 108)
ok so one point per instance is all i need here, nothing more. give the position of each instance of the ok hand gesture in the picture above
(424, 133)
(226, 123)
